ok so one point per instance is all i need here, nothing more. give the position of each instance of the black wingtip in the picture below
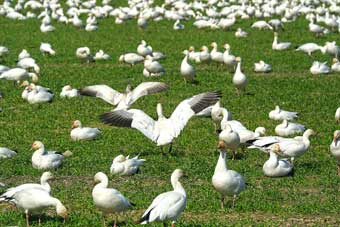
(145, 217)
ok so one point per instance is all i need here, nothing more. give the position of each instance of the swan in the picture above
(42, 159)
(275, 167)
(205, 55)
(163, 130)
(79, 132)
(68, 92)
(289, 128)
(215, 55)
(6, 152)
(126, 166)
(18, 74)
(262, 67)
(143, 49)
(28, 63)
(44, 185)
(279, 115)
(35, 200)
(84, 54)
(319, 68)
(187, 70)
(261, 25)
(123, 100)
(240, 33)
(178, 25)
(153, 66)
(108, 200)
(336, 65)
(239, 79)
(309, 48)
(337, 115)
(228, 58)
(226, 182)
(335, 148)
(23, 54)
(100, 55)
(46, 48)
(39, 94)
(131, 58)
(168, 205)
(279, 46)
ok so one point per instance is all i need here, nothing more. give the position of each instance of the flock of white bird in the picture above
(213, 14)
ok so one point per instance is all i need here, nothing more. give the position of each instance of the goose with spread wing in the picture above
(163, 130)
(123, 100)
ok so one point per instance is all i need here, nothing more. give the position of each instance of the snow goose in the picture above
(3, 51)
(187, 70)
(79, 132)
(289, 128)
(123, 100)
(163, 130)
(262, 67)
(319, 68)
(44, 185)
(108, 200)
(100, 55)
(18, 74)
(28, 63)
(279, 115)
(218, 113)
(240, 33)
(178, 25)
(275, 167)
(336, 65)
(337, 115)
(38, 94)
(152, 65)
(335, 148)
(314, 28)
(245, 134)
(143, 49)
(46, 28)
(279, 46)
(194, 56)
(84, 54)
(46, 48)
(276, 24)
(168, 205)
(332, 49)
(205, 55)
(23, 54)
(42, 159)
(309, 48)
(35, 200)
(126, 166)
(156, 55)
(228, 58)
(68, 92)
(226, 182)
(261, 25)
(142, 22)
(239, 79)
(3, 68)
(230, 138)
(215, 55)
(131, 58)
(6, 152)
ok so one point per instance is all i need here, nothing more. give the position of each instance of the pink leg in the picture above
(115, 223)
(27, 219)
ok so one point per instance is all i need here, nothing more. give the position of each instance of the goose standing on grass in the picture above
(215, 55)
(123, 100)
(228, 58)
(239, 79)
(319, 68)
(279, 46)
(131, 58)
(35, 200)
(18, 74)
(68, 92)
(6, 152)
(108, 200)
(262, 67)
(143, 49)
(167, 206)
(336, 65)
(332, 49)
(163, 130)
(44, 185)
(240, 33)
(261, 25)
(280, 115)
(46, 48)
(309, 48)
(314, 28)
(42, 159)
(126, 166)
(275, 167)
(230, 138)
(226, 182)
(335, 148)
(289, 128)
(187, 70)
(79, 132)
(337, 115)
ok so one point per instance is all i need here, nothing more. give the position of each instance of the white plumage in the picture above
(289, 128)
(122, 165)
(79, 132)
(275, 167)
(280, 115)
(6, 152)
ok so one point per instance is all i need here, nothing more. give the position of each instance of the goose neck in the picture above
(221, 165)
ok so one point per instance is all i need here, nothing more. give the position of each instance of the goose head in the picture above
(176, 175)
(47, 176)
(37, 145)
(276, 34)
(204, 49)
(191, 49)
(67, 88)
(61, 210)
(121, 58)
(335, 60)
(185, 52)
(261, 131)
(143, 43)
(276, 148)
(221, 145)
(213, 44)
(238, 59)
(336, 136)
(34, 77)
(76, 124)
(24, 84)
(308, 133)
(226, 46)
(160, 111)
(100, 177)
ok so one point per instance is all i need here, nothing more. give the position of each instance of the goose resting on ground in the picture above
(275, 167)
(126, 166)
(6, 153)
(280, 115)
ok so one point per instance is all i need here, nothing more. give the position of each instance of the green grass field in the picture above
(310, 198)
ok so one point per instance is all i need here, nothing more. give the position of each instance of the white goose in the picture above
(100, 55)
(261, 25)
(28, 63)
(239, 78)
(335, 148)
(46, 28)
(289, 128)
(319, 68)
(337, 115)
(131, 58)
(215, 55)
(217, 114)
(240, 33)
(42, 159)
(123, 100)
(84, 54)
(226, 182)
(168, 205)
(46, 48)
(280, 115)
(309, 48)
(153, 66)
(68, 92)
(163, 130)
(23, 54)
(194, 56)
(126, 166)
(143, 49)
(262, 67)
(187, 70)
(39, 94)
(230, 138)
(18, 74)
(44, 185)
(228, 58)
(336, 65)
(279, 46)
(6, 152)
(79, 132)
(205, 55)
(275, 167)
(178, 25)
(35, 200)
(3, 68)
(108, 200)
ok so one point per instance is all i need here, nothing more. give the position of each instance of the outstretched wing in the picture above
(147, 88)
(104, 92)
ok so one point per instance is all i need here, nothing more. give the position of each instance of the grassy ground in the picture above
(309, 198)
